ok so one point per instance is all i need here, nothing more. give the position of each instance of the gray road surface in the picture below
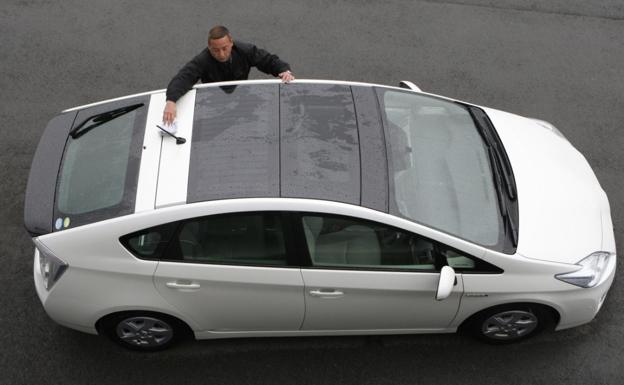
(560, 61)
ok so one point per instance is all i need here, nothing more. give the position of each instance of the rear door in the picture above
(230, 272)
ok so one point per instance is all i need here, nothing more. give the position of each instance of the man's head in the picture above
(220, 43)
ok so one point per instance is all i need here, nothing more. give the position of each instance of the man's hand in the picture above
(286, 76)
(169, 114)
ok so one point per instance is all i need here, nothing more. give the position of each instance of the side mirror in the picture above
(446, 283)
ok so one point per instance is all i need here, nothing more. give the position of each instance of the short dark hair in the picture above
(217, 32)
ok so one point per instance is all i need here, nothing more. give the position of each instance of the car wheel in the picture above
(508, 324)
(144, 331)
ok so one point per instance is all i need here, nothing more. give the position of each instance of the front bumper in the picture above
(582, 305)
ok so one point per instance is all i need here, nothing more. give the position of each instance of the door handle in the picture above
(183, 286)
(326, 293)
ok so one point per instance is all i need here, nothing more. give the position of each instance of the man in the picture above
(223, 60)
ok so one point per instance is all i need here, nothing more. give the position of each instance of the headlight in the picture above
(591, 271)
(50, 266)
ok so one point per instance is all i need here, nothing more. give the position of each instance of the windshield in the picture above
(439, 168)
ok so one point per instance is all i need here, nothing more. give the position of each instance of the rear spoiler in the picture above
(39, 200)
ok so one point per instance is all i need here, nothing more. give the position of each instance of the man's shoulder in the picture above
(243, 47)
(203, 56)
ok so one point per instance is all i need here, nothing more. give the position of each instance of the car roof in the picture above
(258, 81)
(243, 143)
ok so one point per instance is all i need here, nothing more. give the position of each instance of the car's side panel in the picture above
(150, 158)
(234, 298)
(309, 333)
(118, 281)
(39, 201)
(374, 162)
(532, 281)
(174, 158)
(102, 277)
(376, 300)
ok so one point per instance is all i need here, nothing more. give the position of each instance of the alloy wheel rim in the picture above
(144, 331)
(509, 325)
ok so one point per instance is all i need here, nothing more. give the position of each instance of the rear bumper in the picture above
(44, 296)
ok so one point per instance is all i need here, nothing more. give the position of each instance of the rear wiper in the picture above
(99, 119)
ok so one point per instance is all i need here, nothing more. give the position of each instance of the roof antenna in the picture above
(179, 139)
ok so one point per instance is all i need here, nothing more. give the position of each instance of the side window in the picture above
(241, 238)
(149, 243)
(335, 241)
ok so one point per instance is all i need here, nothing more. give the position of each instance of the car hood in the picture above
(560, 202)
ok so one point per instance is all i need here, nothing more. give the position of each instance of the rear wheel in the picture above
(144, 331)
(509, 323)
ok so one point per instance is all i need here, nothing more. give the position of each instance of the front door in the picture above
(369, 276)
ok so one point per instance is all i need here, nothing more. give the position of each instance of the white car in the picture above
(313, 208)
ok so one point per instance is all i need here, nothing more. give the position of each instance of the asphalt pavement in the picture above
(559, 61)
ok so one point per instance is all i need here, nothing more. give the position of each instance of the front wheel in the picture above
(510, 323)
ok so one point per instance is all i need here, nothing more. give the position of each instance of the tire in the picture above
(144, 331)
(509, 323)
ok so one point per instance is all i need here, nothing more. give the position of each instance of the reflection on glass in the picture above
(234, 150)
(320, 154)
(440, 167)
(94, 167)
(348, 242)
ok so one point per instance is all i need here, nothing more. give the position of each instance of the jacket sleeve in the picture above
(185, 79)
(264, 61)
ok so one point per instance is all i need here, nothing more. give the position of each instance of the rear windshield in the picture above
(99, 170)
(440, 174)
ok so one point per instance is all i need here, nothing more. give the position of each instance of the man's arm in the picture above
(181, 83)
(267, 62)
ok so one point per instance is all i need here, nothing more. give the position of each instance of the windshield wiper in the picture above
(508, 223)
(486, 129)
(99, 119)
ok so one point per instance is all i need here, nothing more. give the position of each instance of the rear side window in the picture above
(99, 170)
(149, 243)
(238, 239)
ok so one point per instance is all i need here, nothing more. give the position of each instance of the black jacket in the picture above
(208, 69)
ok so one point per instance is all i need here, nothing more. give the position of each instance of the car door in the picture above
(364, 275)
(230, 272)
